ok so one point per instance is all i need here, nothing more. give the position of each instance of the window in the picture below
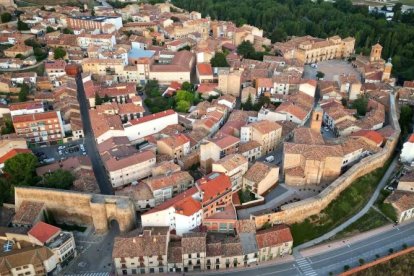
(151, 270)
(124, 272)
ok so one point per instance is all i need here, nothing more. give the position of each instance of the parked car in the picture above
(270, 158)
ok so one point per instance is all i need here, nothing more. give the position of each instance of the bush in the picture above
(6, 17)
(346, 267)
(390, 251)
(361, 261)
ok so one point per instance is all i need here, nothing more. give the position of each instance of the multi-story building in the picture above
(261, 177)
(216, 192)
(165, 187)
(229, 81)
(105, 24)
(407, 152)
(216, 148)
(268, 134)
(110, 66)
(104, 41)
(55, 69)
(175, 146)
(175, 68)
(105, 126)
(181, 213)
(23, 108)
(309, 49)
(274, 242)
(123, 170)
(139, 128)
(234, 166)
(40, 128)
(141, 253)
(60, 242)
(24, 258)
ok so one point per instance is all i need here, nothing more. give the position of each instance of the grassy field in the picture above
(372, 219)
(401, 266)
(349, 202)
(386, 208)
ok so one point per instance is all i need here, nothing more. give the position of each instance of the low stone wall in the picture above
(298, 211)
(81, 208)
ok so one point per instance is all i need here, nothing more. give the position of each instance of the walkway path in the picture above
(23, 68)
(357, 216)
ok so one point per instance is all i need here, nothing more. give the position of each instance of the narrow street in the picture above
(91, 148)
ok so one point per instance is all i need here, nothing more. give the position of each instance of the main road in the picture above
(91, 148)
(333, 257)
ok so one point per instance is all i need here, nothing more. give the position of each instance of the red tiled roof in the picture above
(26, 105)
(35, 117)
(43, 232)
(181, 200)
(411, 138)
(204, 69)
(370, 134)
(214, 185)
(273, 236)
(13, 153)
(152, 117)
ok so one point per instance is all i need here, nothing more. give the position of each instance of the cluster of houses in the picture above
(184, 171)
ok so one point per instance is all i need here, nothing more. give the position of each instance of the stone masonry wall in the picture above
(81, 208)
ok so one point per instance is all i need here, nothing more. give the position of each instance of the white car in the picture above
(82, 147)
(60, 152)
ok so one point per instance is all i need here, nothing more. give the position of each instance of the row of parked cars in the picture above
(66, 150)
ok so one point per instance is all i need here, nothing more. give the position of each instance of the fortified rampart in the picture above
(298, 211)
(81, 208)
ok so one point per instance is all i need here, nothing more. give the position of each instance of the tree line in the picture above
(283, 18)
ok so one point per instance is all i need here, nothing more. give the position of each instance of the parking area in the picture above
(331, 68)
(50, 154)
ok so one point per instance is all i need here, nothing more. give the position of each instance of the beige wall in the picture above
(81, 208)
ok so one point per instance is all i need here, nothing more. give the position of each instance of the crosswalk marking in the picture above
(305, 267)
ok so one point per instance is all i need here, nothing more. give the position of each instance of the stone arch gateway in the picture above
(81, 208)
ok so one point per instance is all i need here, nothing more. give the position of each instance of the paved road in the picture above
(327, 259)
(90, 145)
(357, 216)
(23, 68)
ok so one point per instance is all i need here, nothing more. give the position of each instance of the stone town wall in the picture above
(81, 208)
(298, 211)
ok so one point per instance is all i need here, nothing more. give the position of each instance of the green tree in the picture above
(183, 95)
(59, 53)
(6, 17)
(8, 126)
(106, 98)
(5, 191)
(98, 99)
(24, 92)
(360, 105)
(59, 179)
(49, 29)
(20, 170)
(21, 26)
(406, 115)
(67, 31)
(219, 60)
(248, 105)
(246, 49)
(20, 56)
(320, 75)
(187, 86)
(182, 106)
(152, 87)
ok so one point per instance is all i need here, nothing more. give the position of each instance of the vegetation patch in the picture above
(371, 220)
(349, 202)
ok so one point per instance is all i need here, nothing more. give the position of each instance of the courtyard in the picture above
(332, 69)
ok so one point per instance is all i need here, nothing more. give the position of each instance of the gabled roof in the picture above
(43, 232)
